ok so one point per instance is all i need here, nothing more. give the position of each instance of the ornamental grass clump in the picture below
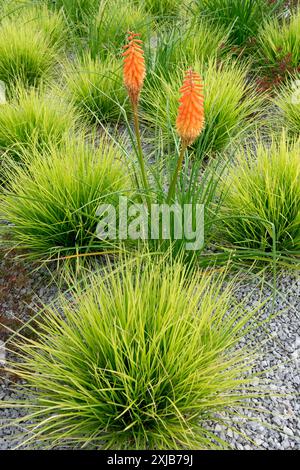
(78, 13)
(243, 19)
(161, 9)
(287, 99)
(52, 199)
(186, 44)
(143, 357)
(38, 17)
(95, 88)
(106, 33)
(201, 41)
(33, 119)
(26, 56)
(278, 49)
(261, 206)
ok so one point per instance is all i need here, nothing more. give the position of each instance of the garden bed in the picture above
(137, 333)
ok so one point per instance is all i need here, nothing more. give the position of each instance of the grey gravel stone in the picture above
(278, 426)
(2, 353)
(288, 431)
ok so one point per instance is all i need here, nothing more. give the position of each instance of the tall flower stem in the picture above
(134, 71)
(140, 153)
(172, 187)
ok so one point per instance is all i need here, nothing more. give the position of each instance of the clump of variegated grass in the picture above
(106, 33)
(95, 88)
(52, 199)
(261, 205)
(230, 105)
(143, 357)
(288, 101)
(33, 119)
(26, 55)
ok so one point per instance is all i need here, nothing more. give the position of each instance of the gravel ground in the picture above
(278, 342)
(22, 290)
(279, 425)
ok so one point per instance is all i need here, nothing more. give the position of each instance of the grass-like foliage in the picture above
(186, 44)
(198, 183)
(261, 207)
(279, 47)
(158, 8)
(33, 120)
(9, 7)
(37, 16)
(142, 358)
(78, 13)
(106, 34)
(95, 87)
(229, 104)
(288, 100)
(242, 18)
(26, 55)
(53, 199)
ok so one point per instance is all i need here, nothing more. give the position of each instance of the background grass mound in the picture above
(53, 199)
(261, 207)
(278, 48)
(26, 55)
(95, 88)
(243, 19)
(288, 101)
(107, 30)
(185, 44)
(76, 12)
(143, 358)
(33, 120)
(164, 9)
(38, 17)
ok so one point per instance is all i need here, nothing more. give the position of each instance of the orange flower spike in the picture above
(134, 69)
(190, 118)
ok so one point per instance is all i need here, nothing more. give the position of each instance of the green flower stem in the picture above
(176, 172)
(140, 152)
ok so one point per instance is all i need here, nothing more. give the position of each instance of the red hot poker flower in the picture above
(133, 67)
(190, 118)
